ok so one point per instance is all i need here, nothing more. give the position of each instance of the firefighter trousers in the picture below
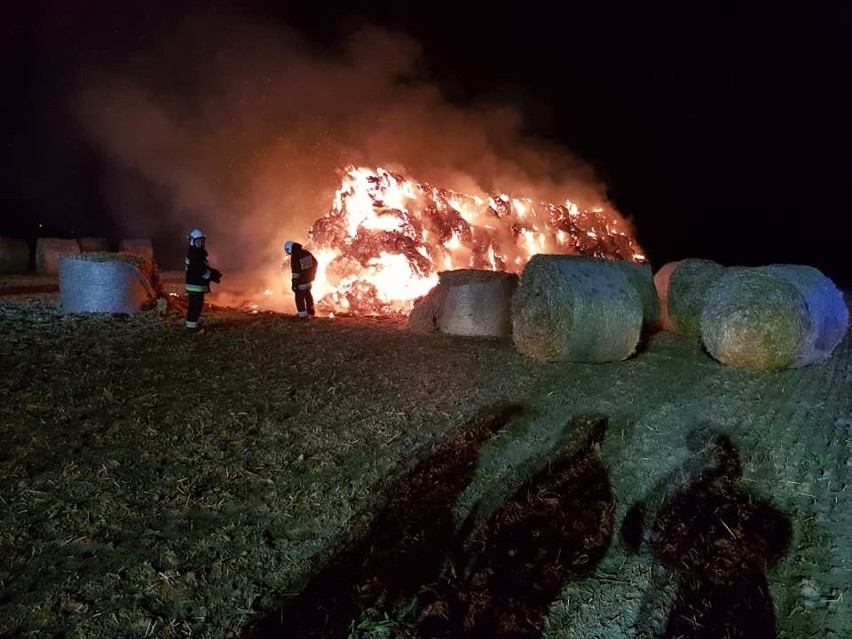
(193, 310)
(304, 300)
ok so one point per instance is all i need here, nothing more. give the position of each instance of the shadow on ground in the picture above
(557, 527)
(500, 579)
(405, 547)
(719, 539)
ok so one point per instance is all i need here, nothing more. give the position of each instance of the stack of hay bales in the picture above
(773, 317)
(14, 255)
(467, 302)
(577, 309)
(49, 250)
(94, 245)
(682, 287)
(137, 246)
(108, 283)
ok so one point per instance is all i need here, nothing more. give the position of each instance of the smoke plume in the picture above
(228, 124)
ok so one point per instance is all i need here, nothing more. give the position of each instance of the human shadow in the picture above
(719, 539)
(556, 527)
(404, 547)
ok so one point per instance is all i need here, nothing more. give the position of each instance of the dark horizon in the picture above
(720, 135)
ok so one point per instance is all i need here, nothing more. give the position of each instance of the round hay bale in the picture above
(107, 283)
(14, 255)
(426, 311)
(569, 308)
(137, 246)
(477, 303)
(49, 250)
(94, 245)
(682, 287)
(661, 282)
(642, 278)
(773, 317)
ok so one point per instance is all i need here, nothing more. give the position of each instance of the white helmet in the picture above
(195, 235)
(288, 247)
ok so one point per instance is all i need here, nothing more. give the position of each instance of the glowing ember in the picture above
(386, 238)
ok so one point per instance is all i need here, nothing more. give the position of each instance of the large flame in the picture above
(387, 237)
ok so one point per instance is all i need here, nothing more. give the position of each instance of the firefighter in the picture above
(199, 274)
(303, 267)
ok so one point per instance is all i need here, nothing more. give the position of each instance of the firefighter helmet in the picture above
(195, 235)
(288, 247)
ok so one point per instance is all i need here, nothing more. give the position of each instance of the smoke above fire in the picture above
(244, 129)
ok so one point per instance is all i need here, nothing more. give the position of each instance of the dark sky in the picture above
(721, 134)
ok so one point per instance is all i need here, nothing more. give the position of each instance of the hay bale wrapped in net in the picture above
(137, 246)
(94, 245)
(642, 278)
(49, 250)
(682, 287)
(477, 303)
(14, 255)
(108, 283)
(773, 317)
(570, 308)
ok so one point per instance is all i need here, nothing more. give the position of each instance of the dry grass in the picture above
(161, 484)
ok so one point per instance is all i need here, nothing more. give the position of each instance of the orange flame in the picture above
(387, 237)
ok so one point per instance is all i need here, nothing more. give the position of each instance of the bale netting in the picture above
(94, 245)
(773, 317)
(570, 308)
(14, 255)
(477, 303)
(682, 287)
(137, 246)
(108, 283)
(49, 250)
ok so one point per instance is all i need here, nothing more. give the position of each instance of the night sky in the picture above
(721, 134)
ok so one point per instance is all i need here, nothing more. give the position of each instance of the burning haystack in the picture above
(387, 237)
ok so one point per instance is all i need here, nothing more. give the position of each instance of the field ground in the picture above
(346, 478)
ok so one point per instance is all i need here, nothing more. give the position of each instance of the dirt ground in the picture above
(345, 478)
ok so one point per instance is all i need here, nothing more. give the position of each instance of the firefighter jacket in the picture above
(198, 272)
(303, 265)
